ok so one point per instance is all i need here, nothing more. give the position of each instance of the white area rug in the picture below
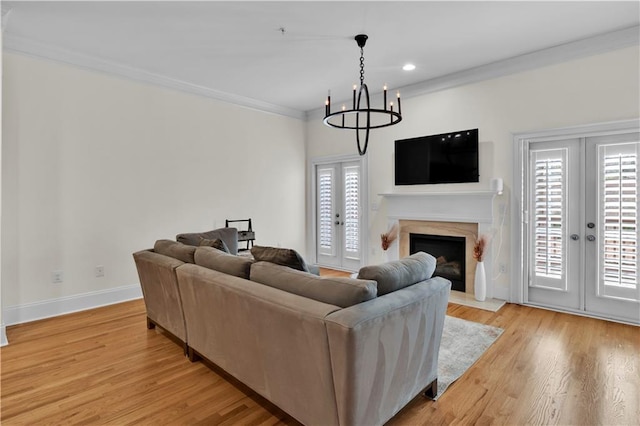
(463, 342)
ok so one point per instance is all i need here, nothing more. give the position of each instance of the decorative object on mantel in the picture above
(480, 282)
(386, 117)
(389, 237)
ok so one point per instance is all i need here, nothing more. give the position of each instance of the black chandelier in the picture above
(372, 118)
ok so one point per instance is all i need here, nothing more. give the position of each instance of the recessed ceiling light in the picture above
(409, 67)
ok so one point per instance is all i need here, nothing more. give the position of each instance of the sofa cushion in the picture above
(176, 250)
(220, 261)
(279, 256)
(216, 244)
(228, 235)
(397, 274)
(343, 292)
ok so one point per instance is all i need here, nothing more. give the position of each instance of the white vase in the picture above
(480, 283)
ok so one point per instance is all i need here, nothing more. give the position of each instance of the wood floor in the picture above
(104, 367)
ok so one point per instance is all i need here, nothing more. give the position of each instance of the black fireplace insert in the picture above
(449, 253)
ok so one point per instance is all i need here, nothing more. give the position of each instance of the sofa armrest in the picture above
(159, 285)
(385, 351)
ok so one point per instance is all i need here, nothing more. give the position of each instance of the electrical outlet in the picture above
(503, 268)
(99, 271)
(57, 277)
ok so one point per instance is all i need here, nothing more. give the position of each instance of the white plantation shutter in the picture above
(549, 223)
(326, 208)
(618, 220)
(338, 211)
(352, 211)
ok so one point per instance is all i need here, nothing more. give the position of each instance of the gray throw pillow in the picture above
(216, 244)
(228, 235)
(176, 250)
(279, 256)
(397, 274)
(337, 291)
(220, 261)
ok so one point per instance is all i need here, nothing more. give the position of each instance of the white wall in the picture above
(3, 334)
(599, 88)
(97, 167)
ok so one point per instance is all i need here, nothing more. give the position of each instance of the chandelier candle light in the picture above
(361, 105)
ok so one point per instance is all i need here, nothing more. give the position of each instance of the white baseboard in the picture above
(65, 305)
(3, 335)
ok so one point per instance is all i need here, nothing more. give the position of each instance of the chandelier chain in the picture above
(361, 66)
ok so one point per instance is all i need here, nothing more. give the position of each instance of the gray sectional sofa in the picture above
(328, 351)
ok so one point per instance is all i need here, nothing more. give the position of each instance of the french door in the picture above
(583, 236)
(338, 215)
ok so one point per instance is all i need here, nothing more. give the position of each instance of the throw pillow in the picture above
(228, 235)
(337, 291)
(216, 244)
(397, 274)
(279, 256)
(176, 250)
(220, 261)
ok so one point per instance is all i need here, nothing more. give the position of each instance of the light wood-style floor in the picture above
(104, 367)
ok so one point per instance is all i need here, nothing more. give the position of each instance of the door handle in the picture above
(591, 238)
(575, 237)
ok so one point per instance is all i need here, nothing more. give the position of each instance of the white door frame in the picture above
(520, 161)
(311, 201)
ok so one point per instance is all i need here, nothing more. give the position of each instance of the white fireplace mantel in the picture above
(471, 207)
(475, 207)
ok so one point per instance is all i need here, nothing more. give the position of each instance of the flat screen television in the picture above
(446, 158)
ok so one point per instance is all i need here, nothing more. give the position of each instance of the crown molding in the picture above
(25, 46)
(565, 52)
(550, 56)
(554, 55)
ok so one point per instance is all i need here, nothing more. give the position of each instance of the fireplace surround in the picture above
(453, 214)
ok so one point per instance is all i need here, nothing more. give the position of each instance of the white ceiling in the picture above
(238, 50)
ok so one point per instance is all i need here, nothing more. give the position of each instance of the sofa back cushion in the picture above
(397, 274)
(343, 292)
(279, 256)
(228, 235)
(220, 261)
(176, 250)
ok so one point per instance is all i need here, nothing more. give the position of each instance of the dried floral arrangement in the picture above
(479, 247)
(389, 237)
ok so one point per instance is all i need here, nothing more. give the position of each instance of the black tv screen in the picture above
(445, 158)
